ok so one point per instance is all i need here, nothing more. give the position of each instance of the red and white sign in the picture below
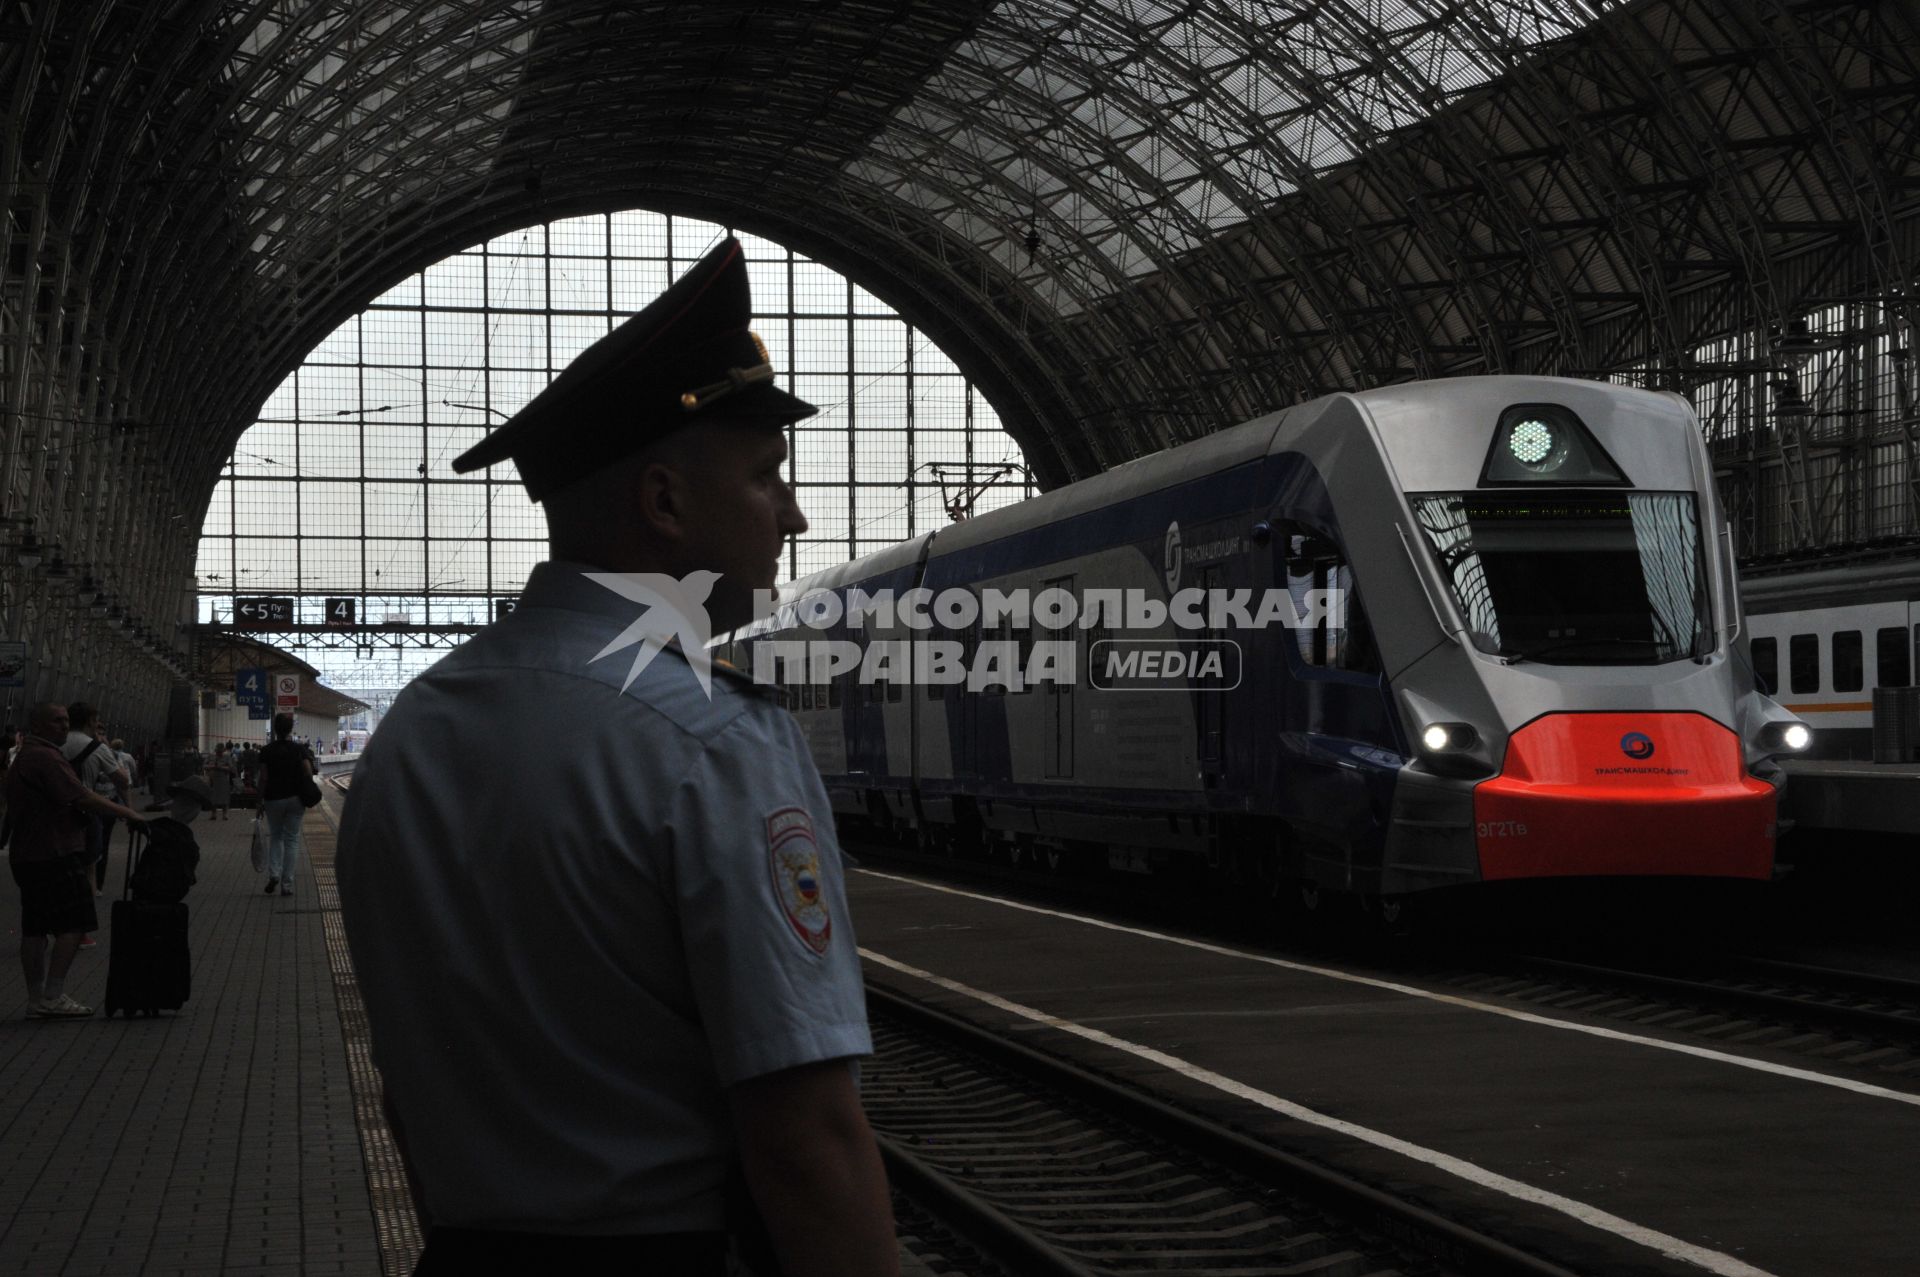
(286, 691)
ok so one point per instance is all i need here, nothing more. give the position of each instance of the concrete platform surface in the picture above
(220, 1139)
(239, 1136)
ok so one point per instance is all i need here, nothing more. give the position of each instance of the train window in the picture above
(1896, 662)
(1573, 578)
(1766, 664)
(1849, 661)
(1342, 637)
(1803, 663)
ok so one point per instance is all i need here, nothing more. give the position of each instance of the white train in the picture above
(1821, 639)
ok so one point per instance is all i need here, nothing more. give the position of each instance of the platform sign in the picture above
(13, 663)
(262, 612)
(342, 612)
(503, 608)
(286, 691)
(250, 687)
(259, 712)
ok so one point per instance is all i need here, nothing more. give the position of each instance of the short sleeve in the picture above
(57, 782)
(762, 904)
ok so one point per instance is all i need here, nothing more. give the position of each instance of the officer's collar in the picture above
(566, 585)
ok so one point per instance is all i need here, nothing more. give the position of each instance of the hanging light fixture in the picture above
(28, 554)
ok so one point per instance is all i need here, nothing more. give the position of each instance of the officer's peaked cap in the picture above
(687, 359)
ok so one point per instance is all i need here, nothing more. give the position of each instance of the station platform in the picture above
(1853, 797)
(219, 1139)
(241, 1135)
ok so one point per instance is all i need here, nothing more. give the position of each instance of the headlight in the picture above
(1786, 738)
(1448, 738)
(1531, 442)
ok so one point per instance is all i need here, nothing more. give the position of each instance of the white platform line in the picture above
(1712, 1260)
(1525, 1017)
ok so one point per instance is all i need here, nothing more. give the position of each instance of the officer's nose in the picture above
(792, 521)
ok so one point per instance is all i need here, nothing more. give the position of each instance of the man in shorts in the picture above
(49, 807)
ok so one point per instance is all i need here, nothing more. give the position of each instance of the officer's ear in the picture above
(659, 498)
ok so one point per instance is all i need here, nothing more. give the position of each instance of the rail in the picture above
(1054, 1169)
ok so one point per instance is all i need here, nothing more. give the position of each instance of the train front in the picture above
(1590, 713)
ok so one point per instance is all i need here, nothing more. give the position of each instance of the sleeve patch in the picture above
(793, 858)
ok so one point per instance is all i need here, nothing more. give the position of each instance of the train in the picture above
(1386, 643)
(1824, 636)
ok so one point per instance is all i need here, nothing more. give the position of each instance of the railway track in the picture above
(1055, 1171)
(1879, 1015)
(1829, 1013)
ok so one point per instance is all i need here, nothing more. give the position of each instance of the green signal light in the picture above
(1531, 442)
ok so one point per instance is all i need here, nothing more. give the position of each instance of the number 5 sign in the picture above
(286, 691)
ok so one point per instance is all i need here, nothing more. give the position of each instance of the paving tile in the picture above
(197, 1140)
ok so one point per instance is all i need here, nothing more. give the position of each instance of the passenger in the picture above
(220, 780)
(640, 971)
(51, 860)
(284, 768)
(127, 762)
(99, 769)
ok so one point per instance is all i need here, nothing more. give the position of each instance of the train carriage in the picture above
(1824, 637)
(1533, 670)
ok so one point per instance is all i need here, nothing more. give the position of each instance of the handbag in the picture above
(309, 792)
(259, 852)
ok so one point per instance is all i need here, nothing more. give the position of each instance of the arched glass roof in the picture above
(1135, 130)
(1128, 222)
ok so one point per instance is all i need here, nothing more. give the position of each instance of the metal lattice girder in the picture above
(1132, 221)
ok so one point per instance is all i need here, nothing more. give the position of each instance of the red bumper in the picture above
(1624, 794)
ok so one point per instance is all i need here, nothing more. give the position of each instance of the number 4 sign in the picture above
(250, 686)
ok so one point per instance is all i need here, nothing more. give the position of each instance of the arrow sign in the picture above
(263, 612)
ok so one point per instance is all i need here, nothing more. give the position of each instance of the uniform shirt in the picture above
(42, 790)
(571, 946)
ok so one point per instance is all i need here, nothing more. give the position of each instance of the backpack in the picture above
(166, 869)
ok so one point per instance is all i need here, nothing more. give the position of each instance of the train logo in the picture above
(1637, 745)
(1170, 557)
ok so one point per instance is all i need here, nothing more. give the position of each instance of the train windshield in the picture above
(1574, 578)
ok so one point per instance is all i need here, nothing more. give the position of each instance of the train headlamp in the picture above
(1547, 444)
(1448, 738)
(1786, 738)
(1531, 442)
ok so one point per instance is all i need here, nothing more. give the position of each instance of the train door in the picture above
(1059, 696)
(1210, 706)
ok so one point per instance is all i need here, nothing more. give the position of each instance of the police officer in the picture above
(608, 966)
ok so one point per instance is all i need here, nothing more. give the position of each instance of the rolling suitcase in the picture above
(148, 968)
